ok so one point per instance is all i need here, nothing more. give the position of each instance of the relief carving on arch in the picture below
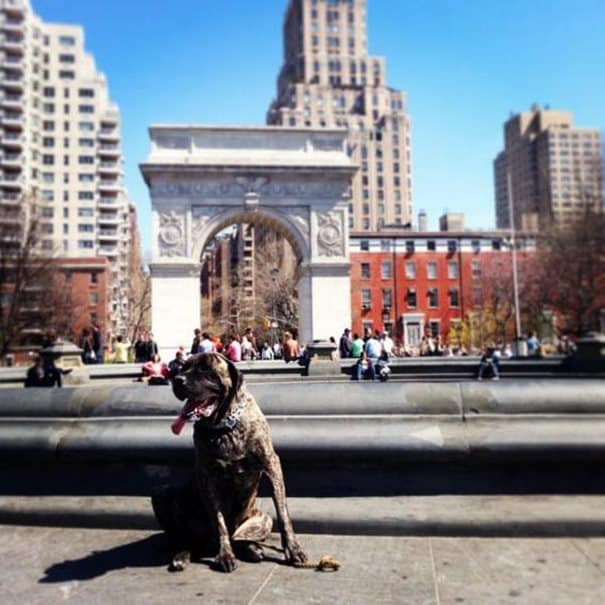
(330, 234)
(171, 238)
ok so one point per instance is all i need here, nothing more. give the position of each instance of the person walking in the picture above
(195, 345)
(344, 346)
(97, 342)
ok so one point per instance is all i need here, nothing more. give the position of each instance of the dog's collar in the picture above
(230, 421)
(234, 415)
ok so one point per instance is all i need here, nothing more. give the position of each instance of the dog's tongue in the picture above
(192, 411)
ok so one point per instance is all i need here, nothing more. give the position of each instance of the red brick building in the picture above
(415, 283)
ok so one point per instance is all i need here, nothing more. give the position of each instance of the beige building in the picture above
(555, 169)
(329, 80)
(60, 138)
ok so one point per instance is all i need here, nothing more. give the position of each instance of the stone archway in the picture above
(203, 179)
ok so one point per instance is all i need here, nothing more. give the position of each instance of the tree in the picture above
(572, 257)
(26, 276)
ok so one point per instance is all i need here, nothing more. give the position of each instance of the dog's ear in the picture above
(237, 380)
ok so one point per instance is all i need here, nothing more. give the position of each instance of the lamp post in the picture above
(274, 274)
(513, 245)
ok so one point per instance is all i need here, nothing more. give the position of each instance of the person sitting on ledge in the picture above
(491, 359)
(364, 368)
(44, 373)
(155, 372)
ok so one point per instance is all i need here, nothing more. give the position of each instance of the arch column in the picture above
(324, 291)
(175, 304)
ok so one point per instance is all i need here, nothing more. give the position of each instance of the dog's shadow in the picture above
(153, 551)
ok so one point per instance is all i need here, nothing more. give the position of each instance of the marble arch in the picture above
(202, 179)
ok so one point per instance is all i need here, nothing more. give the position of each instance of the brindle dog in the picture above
(233, 449)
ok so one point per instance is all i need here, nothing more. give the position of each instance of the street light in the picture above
(274, 274)
(514, 255)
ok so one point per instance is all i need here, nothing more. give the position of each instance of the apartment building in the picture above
(329, 80)
(60, 139)
(418, 283)
(555, 169)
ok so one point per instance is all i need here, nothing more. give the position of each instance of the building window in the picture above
(364, 245)
(476, 246)
(476, 268)
(67, 74)
(366, 298)
(431, 270)
(431, 245)
(452, 245)
(454, 297)
(85, 195)
(387, 299)
(86, 108)
(411, 298)
(409, 247)
(433, 296)
(452, 270)
(496, 244)
(66, 40)
(86, 228)
(385, 245)
(365, 270)
(85, 212)
(94, 278)
(434, 328)
(410, 270)
(385, 270)
(85, 243)
(94, 299)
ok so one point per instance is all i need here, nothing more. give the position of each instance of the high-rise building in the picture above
(60, 139)
(555, 169)
(329, 80)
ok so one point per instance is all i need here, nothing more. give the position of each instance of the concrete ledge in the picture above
(482, 516)
(323, 398)
(332, 440)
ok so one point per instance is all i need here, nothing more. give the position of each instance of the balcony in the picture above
(108, 251)
(13, 25)
(12, 64)
(109, 219)
(13, 102)
(10, 181)
(12, 140)
(11, 160)
(109, 134)
(108, 235)
(110, 168)
(13, 81)
(109, 150)
(108, 202)
(109, 185)
(12, 120)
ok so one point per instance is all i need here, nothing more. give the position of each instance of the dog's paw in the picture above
(180, 561)
(226, 562)
(295, 553)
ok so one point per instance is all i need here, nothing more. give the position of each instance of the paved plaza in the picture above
(58, 565)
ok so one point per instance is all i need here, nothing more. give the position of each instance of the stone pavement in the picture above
(47, 565)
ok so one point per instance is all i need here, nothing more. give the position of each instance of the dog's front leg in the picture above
(292, 548)
(225, 560)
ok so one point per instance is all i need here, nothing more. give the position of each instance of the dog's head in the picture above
(209, 383)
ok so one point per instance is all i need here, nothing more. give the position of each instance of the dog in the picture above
(233, 449)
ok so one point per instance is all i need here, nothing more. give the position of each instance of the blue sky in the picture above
(464, 64)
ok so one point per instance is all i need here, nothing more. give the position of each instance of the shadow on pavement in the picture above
(153, 551)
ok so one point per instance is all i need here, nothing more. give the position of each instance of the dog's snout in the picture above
(179, 379)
